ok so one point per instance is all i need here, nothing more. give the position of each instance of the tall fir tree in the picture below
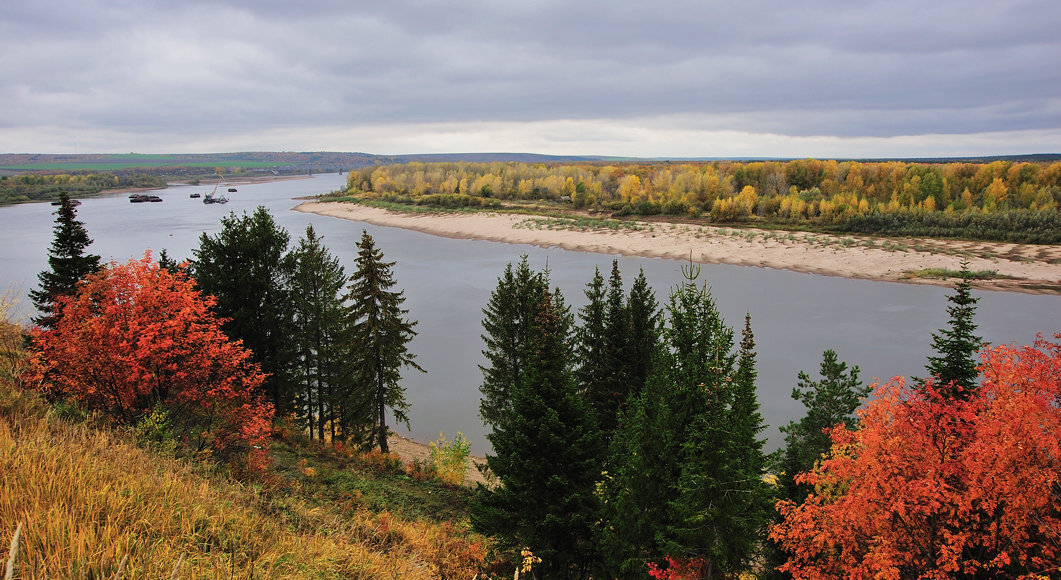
(379, 340)
(724, 518)
(321, 331)
(957, 345)
(644, 331)
(67, 261)
(247, 267)
(589, 340)
(507, 322)
(674, 457)
(830, 401)
(546, 455)
(618, 358)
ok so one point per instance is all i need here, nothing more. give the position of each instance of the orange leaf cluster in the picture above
(933, 486)
(136, 336)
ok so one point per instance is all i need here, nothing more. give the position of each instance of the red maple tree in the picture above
(136, 336)
(932, 486)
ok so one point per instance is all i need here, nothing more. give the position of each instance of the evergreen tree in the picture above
(68, 262)
(674, 457)
(320, 323)
(644, 331)
(740, 497)
(508, 319)
(246, 266)
(167, 263)
(379, 340)
(589, 341)
(547, 456)
(618, 358)
(957, 345)
(829, 401)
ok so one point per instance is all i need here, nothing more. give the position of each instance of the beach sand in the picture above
(1027, 268)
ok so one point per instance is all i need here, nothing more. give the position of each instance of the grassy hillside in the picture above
(91, 503)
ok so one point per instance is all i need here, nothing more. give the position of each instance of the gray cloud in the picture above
(202, 72)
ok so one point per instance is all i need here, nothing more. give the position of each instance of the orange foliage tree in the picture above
(136, 337)
(937, 487)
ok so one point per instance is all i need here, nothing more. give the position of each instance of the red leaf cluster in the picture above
(136, 336)
(933, 486)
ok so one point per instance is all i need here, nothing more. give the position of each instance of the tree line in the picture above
(626, 441)
(1000, 200)
(48, 186)
(287, 330)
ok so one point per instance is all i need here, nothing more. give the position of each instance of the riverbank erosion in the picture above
(1017, 267)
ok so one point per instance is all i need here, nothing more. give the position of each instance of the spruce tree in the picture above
(589, 341)
(618, 358)
(830, 400)
(379, 340)
(68, 262)
(247, 267)
(547, 455)
(955, 366)
(644, 331)
(507, 322)
(673, 459)
(320, 323)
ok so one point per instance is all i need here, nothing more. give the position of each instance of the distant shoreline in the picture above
(1032, 269)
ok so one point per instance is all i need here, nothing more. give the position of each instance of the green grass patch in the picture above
(946, 274)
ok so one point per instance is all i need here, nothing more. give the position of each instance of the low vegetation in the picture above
(91, 502)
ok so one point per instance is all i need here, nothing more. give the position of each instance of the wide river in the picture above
(885, 328)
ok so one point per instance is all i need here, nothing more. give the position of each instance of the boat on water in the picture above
(73, 202)
(212, 197)
(141, 198)
(232, 190)
(194, 196)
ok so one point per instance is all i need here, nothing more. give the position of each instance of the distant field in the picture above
(114, 166)
(251, 161)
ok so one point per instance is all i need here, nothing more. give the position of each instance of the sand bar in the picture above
(1031, 268)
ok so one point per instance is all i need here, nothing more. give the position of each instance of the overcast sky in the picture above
(827, 78)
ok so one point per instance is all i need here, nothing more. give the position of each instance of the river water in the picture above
(883, 327)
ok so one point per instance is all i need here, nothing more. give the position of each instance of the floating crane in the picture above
(209, 198)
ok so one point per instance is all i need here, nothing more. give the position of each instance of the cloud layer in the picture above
(693, 78)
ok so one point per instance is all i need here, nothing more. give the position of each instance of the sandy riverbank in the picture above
(1034, 269)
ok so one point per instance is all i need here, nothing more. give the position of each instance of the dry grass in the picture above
(91, 504)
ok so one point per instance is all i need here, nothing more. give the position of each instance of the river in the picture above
(883, 327)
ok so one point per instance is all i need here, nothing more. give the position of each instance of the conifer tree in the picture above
(590, 338)
(957, 345)
(547, 455)
(247, 267)
(831, 400)
(379, 341)
(68, 262)
(671, 455)
(618, 358)
(644, 331)
(508, 319)
(320, 323)
(739, 500)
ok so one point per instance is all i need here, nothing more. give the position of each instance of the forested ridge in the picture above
(1002, 200)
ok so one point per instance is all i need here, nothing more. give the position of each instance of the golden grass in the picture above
(93, 505)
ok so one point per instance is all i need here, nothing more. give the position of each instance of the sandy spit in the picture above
(1033, 268)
